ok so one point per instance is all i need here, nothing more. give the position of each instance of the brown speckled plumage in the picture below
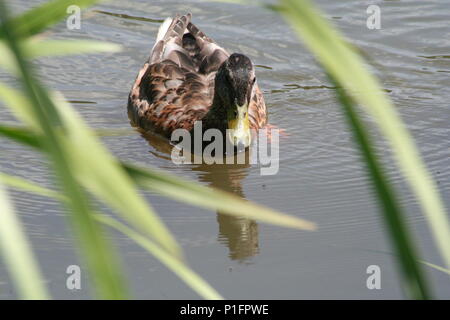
(175, 87)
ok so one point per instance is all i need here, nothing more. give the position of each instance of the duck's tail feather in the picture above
(182, 43)
(211, 55)
(163, 28)
(170, 38)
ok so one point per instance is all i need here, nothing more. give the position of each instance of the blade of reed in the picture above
(49, 48)
(21, 135)
(31, 187)
(347, 68)
(192, 279)
(43, 16)
(99, 255)
(188, 191)
(99, 171)
(7, 61)
(34, 48)
(17, 253)
(186, 274)
(434, 266)
(206, 197)
(414, 283)
(21, 107)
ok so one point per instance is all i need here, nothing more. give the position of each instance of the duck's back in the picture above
(175, 87)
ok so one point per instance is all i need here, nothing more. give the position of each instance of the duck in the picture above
(189, 78)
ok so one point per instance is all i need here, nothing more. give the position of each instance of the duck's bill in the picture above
(238, 132)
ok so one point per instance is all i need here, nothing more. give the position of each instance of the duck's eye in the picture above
(254, 80)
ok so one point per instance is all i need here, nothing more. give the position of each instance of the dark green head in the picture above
(234, 85)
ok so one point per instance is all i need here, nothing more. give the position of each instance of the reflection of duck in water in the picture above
(240, 235)
(188, 77)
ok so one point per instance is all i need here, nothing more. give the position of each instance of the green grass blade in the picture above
(99, 255)
(25, 185)
(347, 68)
(50, 48)
(100, 173)
(436, 267)
(43, 16)
(20, 106)
(414, 283)
(22, 135)
(35, 48)
(18, 258)
(206, 197)
(7, 61)
(196, 194)
(186, 274)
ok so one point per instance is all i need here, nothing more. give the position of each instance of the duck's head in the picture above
(234, 88)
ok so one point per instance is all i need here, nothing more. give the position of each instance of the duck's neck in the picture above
(216, 118)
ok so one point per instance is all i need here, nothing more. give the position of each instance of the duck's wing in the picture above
(257, 111)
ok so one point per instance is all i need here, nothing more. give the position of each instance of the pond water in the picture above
(320, 178)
